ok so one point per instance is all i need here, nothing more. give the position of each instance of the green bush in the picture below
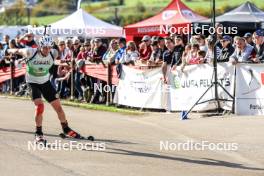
(14, 15)
(140, 7)
(225, 8)
(93, 8)
(98, 6)
(134, 18)
(208, 13)
(53, 7)
(203, 11)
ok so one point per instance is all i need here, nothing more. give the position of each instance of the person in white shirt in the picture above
(243, 52)
(131, 54)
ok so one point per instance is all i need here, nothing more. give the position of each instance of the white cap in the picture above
(146, 38)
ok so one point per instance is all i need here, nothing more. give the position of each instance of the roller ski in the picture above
(74, 135)
(39, 139)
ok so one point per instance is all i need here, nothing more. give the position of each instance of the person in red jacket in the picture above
(145, 49)
(28, 41)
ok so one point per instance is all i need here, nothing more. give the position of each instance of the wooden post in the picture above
(11, 75)
(109, 83)
(72, 80)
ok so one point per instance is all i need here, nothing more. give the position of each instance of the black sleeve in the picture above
(177, 57)
(231, 51)
(260, 54)
(102, 51)
(166, 57)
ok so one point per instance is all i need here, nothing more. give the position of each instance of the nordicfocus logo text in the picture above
(69, 146)
(191, 29)
(199, 146)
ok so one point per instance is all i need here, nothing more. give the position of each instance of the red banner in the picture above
(101, 72)
(94, 70)
(5, 73)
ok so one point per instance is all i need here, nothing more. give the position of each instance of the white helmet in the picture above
(46, 40)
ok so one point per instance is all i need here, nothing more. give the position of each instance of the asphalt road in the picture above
(130, 145)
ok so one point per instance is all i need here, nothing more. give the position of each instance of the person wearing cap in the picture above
(69, 44)
(76, 47)
(64, 52)
(162, 46)
(170, 58)
(155, 54)
(61, 78)
(99, 50)
(154, 38)
(243, 52)
(28, 41)
(87, 49)
(145, 49)
(258, 38)
(227, 49)
(76, 71)
(209, 57)
(219, 34)
(249, 38)
(121, 51)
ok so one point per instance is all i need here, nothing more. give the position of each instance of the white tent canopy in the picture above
(80, 23)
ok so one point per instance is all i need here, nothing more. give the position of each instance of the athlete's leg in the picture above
(49, 93)
(61, 115)
(58, 108)
(39, 106)
(39, 109)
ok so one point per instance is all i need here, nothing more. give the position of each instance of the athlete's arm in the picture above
(22, 52)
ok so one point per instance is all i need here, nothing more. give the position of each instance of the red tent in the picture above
(176, 14)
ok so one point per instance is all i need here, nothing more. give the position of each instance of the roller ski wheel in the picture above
(78, 136)
(90, 138)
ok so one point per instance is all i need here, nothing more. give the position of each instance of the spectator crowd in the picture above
(166, 52)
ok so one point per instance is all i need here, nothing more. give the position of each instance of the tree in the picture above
(14, 14)
(121, 2)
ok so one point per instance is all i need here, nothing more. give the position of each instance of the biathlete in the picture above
(39, 61)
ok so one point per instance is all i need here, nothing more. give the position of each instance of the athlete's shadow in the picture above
(57, 136)
(24, 132)
(201, 161)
